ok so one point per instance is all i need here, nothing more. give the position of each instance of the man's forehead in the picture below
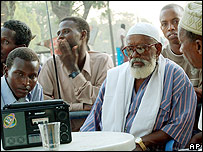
(67, 24)
(7, 32)
(20, 63)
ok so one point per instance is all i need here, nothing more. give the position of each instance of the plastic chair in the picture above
(169, 145)
(120, 57)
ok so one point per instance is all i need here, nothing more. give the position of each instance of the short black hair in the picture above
(191, 36)
(23, 53)
(172, 6)
(81, 23)
(23, 32)
(123, 26)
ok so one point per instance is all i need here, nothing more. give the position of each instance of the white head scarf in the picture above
(144, 28)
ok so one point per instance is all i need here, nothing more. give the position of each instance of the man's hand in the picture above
(69, 56)
(196, 139)
(87, 107)
(198, 93)
(138, 148)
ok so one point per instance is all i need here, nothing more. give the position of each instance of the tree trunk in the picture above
(61, 8)
(87, 6)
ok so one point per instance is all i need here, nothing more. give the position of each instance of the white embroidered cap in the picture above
(144, 28)
(192, 18)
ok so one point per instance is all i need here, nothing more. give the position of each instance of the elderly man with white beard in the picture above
(149, 97)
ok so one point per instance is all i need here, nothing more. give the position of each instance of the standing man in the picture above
(120, 43)
(149, 97)
(14, 34)
(80, 71)
(170, 16)
(19, 83)
(190, 36)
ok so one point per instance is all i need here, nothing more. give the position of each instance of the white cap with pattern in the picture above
(192, 18)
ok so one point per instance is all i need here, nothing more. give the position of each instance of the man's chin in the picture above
(193, 69)
(141, 73)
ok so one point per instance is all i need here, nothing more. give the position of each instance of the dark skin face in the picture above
(22, 77)
(7, 42)
(169, 19)
(147, 55)
(140, 40)
(72, 45)
(191, 49)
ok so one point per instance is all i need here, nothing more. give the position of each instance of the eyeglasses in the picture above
(141, 49)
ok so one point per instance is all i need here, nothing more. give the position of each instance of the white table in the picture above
(93, 141)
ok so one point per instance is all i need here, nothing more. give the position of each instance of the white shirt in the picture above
(120, 32)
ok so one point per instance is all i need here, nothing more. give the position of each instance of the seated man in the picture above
(80, 71)
(149, 97)
(190, 36)
(170, 16)
(19, 83)
(14, 33)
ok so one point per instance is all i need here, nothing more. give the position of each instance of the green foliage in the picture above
(99, 4)
(31, 20)
(103, 39)
(34, 14)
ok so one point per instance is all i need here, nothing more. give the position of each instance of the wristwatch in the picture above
(74, 74)
(139, 141)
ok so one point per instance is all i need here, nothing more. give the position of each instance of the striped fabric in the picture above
(176, 113)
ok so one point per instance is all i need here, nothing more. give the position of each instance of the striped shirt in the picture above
(176, 114)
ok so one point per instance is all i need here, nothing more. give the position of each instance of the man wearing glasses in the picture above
(150, 96)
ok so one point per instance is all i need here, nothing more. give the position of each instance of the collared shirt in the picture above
(176, 114)
(83, 88)
(196, 79)
(7, 96)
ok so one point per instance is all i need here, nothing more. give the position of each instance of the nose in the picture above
(181, 50)
(171, 27)
(134, 55)
(60, 36)
(26, 81)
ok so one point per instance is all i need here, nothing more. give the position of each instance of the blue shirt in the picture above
(7, 96)
(176, 114)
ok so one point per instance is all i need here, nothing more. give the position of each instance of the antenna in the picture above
(52, 45)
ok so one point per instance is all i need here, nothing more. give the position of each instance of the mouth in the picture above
(23, 91)
(173, 35)
(137, 64)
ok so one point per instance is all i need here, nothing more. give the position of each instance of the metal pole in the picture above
(111, 33)
(52, 45)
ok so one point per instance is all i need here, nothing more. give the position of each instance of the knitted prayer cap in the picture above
(192, 18)
(144, 28)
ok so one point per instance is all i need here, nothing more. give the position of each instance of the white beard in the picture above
(144, 71)
(194, 70)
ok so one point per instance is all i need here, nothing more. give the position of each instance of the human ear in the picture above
(5, 70)
(198, 44)
(159, 49)
(83, 34)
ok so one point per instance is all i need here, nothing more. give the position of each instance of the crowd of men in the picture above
(156, 95)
